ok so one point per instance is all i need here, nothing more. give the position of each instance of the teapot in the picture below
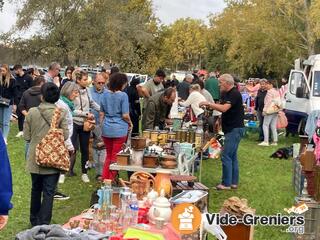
(152, 196)
(160, 208)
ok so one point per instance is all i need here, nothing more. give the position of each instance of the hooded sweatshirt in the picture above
(6, 179)
(22, 84)
(30, 98)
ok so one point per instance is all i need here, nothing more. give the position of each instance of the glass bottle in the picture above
(199, 135)
(134, 209)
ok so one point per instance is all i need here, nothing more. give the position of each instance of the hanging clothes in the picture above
(316, 139)
(311, 123)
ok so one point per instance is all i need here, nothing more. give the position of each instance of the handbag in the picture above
(4, 102)
(274, 107)
(282, 121)
(88, 124)
(51, 151)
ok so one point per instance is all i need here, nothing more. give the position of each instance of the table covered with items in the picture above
(132, 213)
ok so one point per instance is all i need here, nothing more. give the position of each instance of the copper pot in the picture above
(138, 143)
(150, 161)
(166, 158)
(169, 164)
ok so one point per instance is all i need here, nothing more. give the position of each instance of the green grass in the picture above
(265, 182)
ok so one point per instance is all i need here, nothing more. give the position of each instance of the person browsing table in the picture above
(233, 128)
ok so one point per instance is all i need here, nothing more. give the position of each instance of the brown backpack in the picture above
(51, 151)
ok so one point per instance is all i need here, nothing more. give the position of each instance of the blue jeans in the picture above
(230, 168)
(99, 156)
(5, 117)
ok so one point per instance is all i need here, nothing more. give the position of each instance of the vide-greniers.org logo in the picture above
(186, 219)
(250, 219)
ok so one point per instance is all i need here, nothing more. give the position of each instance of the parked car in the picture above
(143, 77)
(180, 75)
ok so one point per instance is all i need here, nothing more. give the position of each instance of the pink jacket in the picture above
(272, 96)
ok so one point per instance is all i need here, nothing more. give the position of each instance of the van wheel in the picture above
(301, 127)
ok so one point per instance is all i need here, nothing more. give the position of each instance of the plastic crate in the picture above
(312, 222)
(297, 176)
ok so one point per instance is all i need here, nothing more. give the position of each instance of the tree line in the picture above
(249, 38)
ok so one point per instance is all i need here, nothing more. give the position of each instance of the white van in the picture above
(303, 94)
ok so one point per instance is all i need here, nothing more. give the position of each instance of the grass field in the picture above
(264, 181)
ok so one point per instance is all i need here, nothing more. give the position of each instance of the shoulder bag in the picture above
(88, 124)
(51, 151)
(4, 102)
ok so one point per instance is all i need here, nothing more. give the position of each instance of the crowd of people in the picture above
(266, 101)
(112, 104)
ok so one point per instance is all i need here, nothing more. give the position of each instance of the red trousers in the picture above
(113, 146)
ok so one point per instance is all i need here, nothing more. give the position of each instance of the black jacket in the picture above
(30, 98)
(23, 83)
(134, 102)
(183, 90)
(10, 91)
(259, 101)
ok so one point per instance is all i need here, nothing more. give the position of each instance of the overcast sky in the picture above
(167, 11)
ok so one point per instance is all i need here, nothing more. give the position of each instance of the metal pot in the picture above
(166, 158)
(138, 143)
(168, 164)
(163, 136)
(146, 133)
(154, 136)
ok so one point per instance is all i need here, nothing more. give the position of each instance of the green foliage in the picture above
(185, 43)
(249, 38)
(263, 38)
(90, 31)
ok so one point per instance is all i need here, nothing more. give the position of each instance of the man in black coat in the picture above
(23, 82)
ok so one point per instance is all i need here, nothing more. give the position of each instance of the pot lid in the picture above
(162, 201)
(152, 194)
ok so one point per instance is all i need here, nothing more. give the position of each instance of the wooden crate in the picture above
(297, 176)
(239, 232)
(312, 222)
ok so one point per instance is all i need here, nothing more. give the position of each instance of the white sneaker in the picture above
(20, 134)
(263, 144)
(85, 178)
(274, 144)
(62, 178)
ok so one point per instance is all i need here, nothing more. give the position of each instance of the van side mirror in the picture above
(300, 92)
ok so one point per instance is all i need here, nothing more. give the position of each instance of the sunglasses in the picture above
(101, 83)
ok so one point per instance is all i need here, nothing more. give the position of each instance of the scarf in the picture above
(68, 102)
